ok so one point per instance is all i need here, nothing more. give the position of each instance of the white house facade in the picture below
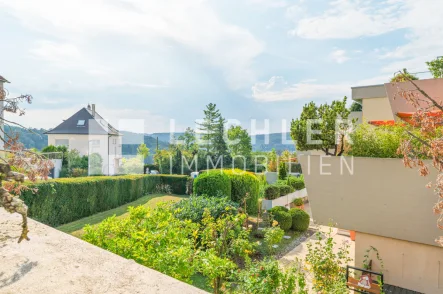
(88, 133)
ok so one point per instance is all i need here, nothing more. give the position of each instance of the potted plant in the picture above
(298, 203)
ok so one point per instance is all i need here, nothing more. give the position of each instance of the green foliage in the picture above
(143, 150)
(222, 240)
(300, 219)
(30, 138)
(132, 165)
(403, 76)
(282, 171)
(436, 67)
(355, 106)
(298, 202)
(189, 141)
(266, 277)
(328, 266)
(277, 209)
(285, 189)
(298, 183)
(95, 164)
(327, 127)
(273, 236)
(212, 129)
(381, 142)
(245, 186)
(283, 218)
(272, 192)
(64, 200)
(152, 237)
(212, 183)
(272, 161)
(193, 208)
(240, 144)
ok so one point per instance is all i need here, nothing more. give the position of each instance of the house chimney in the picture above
(93, 110)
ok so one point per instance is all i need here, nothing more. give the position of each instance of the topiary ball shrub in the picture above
(212, 183)
(300, 219)
(283, 218)
(278, 208)
(297, 183)
(285, 189)
(243, 183)
(272, 192)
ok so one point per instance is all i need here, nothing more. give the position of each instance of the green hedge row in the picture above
(65, 200)
(232, 183)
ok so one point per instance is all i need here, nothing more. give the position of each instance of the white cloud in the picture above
(339, 56)
(350, 19)
(347, 19)
(269, 3)
(278, 89)
(192, 23)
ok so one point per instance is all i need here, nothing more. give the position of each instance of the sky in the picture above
(161, 60)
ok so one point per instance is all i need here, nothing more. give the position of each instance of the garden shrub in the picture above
(272, 192)
(300, 219)
(298, 201)
(243, 183)
(380, 142)
(166, 248)
(282, 216)
(282, 171)
(285, 189)
(298, 183)
(212, 183)
(278, 208)
(60, 201)
(194, 207)
(266, 277)
(176, 182)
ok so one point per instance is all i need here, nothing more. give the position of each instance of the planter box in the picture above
(284, 200)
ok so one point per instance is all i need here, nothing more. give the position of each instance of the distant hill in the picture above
(33, 138)
(37, 139)
(275, 141)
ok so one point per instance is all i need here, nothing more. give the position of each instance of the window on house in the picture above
(81, 123)
(62, 142)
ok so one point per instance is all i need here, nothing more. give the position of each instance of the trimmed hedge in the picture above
(233, 183)
(285, 189)
(297, 182)
(272, 192)
(212, 183)
(61, 201)
(300, 219)
(242, 183)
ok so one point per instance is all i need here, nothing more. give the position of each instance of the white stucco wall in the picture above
(109, 148)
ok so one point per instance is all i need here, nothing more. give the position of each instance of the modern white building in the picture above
(88, 133)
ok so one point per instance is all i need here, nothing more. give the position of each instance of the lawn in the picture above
(76, 228)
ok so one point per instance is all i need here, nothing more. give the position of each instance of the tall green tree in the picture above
(210, 125)
(241, 141)
(436, 67)
(322, 127)
(219, 147)
(189, 141)
(143, 151)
